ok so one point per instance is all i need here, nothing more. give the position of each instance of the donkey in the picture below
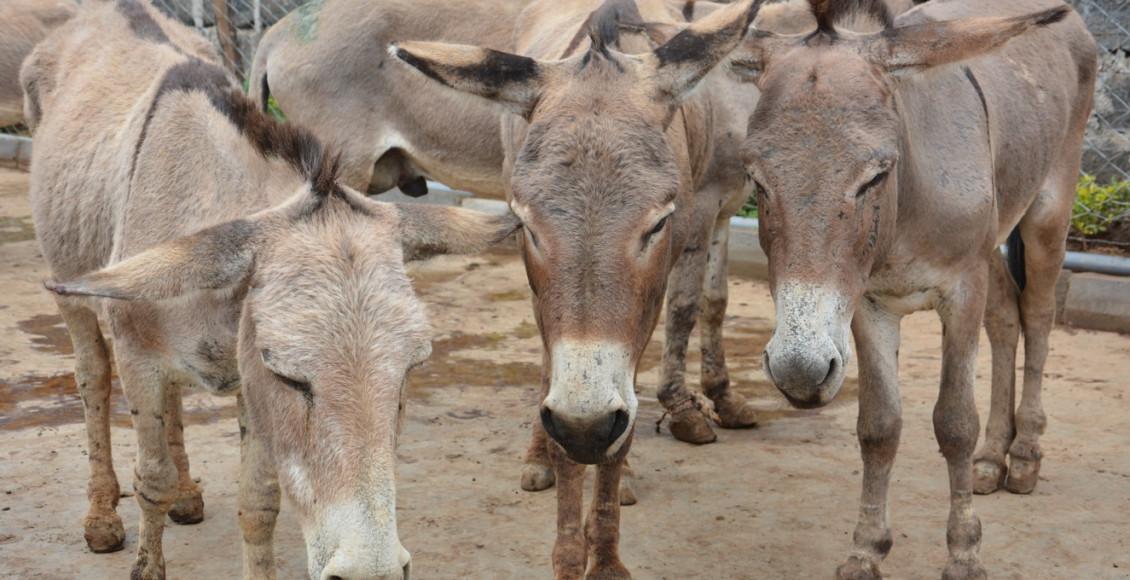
(398, 129)
(230, 257)
(606, 157)
(23, 23)
(885, 188)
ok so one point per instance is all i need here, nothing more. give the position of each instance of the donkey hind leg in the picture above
(879, 427)
(189, 509)
(684, 290)
(602, 529)
(538, 471)
(1043, 231)
(1002, 324)
(102, 527)
(570, 549)
(733, 410)
(956, 422)
(258, 501)
(155, 478)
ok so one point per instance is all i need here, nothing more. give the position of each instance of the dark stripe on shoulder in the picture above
(977, 87)
(141, 22)
(271, 138)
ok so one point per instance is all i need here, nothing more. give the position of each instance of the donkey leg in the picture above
(258, 501)
(956, 422)
(102, 527)
(879, 427)
(155, 479)
(570, 551)
(1043, 258)
(189, 509)
(602, 529)
(734, 412)
(1002, 323)
(684, 289)
(538, 472)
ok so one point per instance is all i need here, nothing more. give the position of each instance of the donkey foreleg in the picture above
(258, 501)
(1002, 324)
(570, 550)
(602, 529)
(878, 427)
(189, 509)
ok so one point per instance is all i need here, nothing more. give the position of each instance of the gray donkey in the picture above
(232, 259)
(886, 181)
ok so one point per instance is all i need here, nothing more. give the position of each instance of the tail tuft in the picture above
(1015, 258)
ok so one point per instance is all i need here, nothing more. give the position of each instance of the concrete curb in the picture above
(15, 151)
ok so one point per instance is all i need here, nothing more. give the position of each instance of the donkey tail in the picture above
(1015, 258)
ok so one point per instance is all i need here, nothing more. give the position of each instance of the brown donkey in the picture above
(235, 261)
(604, 156)
(885, 189)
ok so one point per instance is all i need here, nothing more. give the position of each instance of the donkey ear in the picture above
(683, 61)
(511, 80)
(428, 230)
(936, 43)
(211, 259)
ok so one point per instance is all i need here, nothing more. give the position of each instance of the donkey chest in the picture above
(908, 287)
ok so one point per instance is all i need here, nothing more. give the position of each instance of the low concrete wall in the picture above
(15, 151)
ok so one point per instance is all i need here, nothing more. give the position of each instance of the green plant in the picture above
(1097, 206)
(749, 209)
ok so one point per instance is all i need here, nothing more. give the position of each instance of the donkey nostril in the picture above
(620, 420)
(831, 371)
(335, 578)
(549, 424)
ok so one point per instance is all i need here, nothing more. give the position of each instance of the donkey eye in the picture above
(300, 386)
(658, 227)
(875, 181)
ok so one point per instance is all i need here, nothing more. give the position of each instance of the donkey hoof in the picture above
(689, 425)
(627, 492)
(188, 510)
(988, 476)
(1022, 475)
(147, 568)
(734, 412)
(104, 533)
(858, 568)
(964, 570)
(614, 571)
(537, 477)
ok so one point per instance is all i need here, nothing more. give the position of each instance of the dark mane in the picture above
(829, 12)
(603, 26)
(291, 143)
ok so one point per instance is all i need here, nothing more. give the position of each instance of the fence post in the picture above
(226, 34)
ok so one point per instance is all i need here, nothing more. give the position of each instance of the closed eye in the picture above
(875, 181)
(300, 386)
(658, 227)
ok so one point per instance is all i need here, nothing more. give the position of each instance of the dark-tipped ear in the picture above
(936, 43)
(211, 259)
(508, 79)
(428, 230)
(683, 61)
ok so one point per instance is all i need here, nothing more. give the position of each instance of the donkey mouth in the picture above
(810, 397)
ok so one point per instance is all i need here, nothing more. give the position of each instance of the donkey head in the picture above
(330, 326)
(601, 182)
(823, 149)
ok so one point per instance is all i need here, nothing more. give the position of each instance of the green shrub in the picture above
(1098, 207)
(750, 208)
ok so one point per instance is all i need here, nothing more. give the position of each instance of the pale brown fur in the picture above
(886, 188)
(23, 23)
(234, 261)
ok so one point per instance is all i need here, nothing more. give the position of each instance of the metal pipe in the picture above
(1099, 263)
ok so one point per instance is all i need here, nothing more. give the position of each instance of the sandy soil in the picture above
(776, 502)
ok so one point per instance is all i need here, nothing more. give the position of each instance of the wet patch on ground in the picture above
(16, 229)
(48, 333)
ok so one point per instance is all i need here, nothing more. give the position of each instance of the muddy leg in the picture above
(1002, 323)
(684, 290)
(570, 551)
(627, 491)
(538, 472)
(155, 480)
(956, 422)
(102, 527)
(602, 529)
(733, 410)
(189, 509)
(258, 502)
(879, 427)
(1044, 250)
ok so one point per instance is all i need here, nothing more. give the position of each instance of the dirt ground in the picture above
(779, 501)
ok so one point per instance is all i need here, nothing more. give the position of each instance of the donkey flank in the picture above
(236, 262)
(884, 190)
